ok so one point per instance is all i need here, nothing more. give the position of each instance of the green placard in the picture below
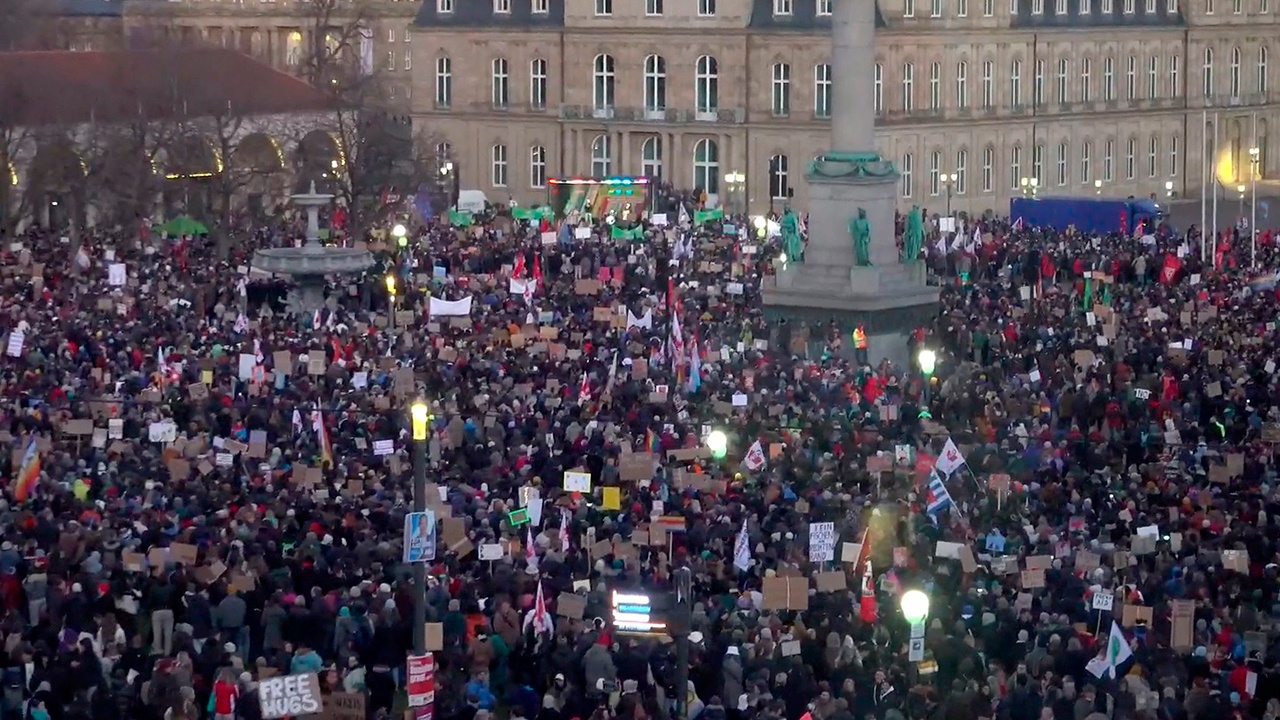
(518, 517)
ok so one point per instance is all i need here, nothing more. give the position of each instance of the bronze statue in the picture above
(913, 235)
(860, 229)
(792, 243)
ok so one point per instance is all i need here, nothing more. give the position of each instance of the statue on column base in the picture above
(913, 235)
(792, 243)
(860, 230)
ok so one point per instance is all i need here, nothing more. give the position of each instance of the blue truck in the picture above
(1086, 214)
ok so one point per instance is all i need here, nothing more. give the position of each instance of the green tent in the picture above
(183, 225)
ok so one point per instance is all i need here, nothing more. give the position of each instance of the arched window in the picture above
(444, 82)
(538, 84)
(501, 83)
(908, 86)
(962, 85)
(1062, 163)
(651, 157)
(537, 167)
(601, 157)
(1234, 78)
(988, 168)
(1015, 166)
(935, 173)
(603, 79)
(779, 183)
(1086, 163)
(706, 166)
(707, 85)
(905, 169)
(781, 90)
(935, 86)
(962, 171)
(822, 90)
(655, 84)
(498, 158)
(1207, 73)
(1109, 79)
(1262, 70)
(877, 88)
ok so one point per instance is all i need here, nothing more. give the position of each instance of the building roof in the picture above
(804, 17)
(67, 88)
(86, 8)
(1095, 18)
(479, 14)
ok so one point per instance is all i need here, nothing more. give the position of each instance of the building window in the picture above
(391, 60)
(537, 167)
(498, 157)
(653, 8)
(877, 85)
(1153, 154)
(1015, 166)
(1084, 7)
(601, 156)
(935, 9)
(1153, 75)
(1237, 7)
(1015, 83)
(602, 87)
(779, 185)
(1264, 6)
(541, 7)
(1131, 78)
(782, 7)
(706, 8)
(1037, 162)
(988, 168)
(1172, 7)
(1061, 83)
(444, 82)
(502, 7)
(1109, 79)
(391, 35)
(604, 7)
(1129, 7)
(408, 60)
(935, 86)
(935, 173)
(1037, 91)
(651, 157)
(908, 8)
(1234, 77)
(962, 85)
(707, 84)
(962, 171)
(444, 6)
(781, 90)
(908, 89)
(823, 7)
(1130, 149)
(988, 8)
(1107, 8)
(822, 91)
(655, 84)
(1262, 69)
(501, 86)
(1151, 7)
(1086, 80)
(1174, 65)
(1208, 7)
(1062, 163)
(988, 83)
(538, 84)
(706, 166)
(1108, 160)
(1173, 155)
(1060, 7)
(1037, 7)
(1086, 163)
(962, 8)
(904, 172)
(1206, 87)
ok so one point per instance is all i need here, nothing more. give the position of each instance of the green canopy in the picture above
(541, 212)
(183, 225)
(635, 233)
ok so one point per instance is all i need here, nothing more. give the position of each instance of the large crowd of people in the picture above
(207, 491)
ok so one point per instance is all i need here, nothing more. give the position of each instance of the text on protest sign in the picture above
(291, 695)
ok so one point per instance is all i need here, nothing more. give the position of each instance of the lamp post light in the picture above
(915, 610)
(928, 360)
(1097, 186)
(1255, 160)
(1168, 189)
(734, 182)
(399, 233)
(761, 225)
(420, 416)
(1240, 189)
(717, 443)
(1030, 186)
(391, 296)
(949, 180)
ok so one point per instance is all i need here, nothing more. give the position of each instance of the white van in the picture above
(472, 201)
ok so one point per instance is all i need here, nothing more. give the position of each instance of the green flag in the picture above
(1087, 302)
(461, 219)
(635, 233)
(701, 217)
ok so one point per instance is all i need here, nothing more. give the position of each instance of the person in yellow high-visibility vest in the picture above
(860, 344)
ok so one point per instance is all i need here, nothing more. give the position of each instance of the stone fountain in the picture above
(308, 265)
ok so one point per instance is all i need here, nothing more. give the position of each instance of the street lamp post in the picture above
(949, 179)
(1240, 189)
(1168, 189)
(1255, 159)
(717, 443)
(421, 418)
(734, 182)
(391, 297)
(1030, 186)
(1097, 186)
(915, 610)
(928, 360)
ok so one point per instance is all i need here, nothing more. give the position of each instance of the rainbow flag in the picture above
(28, 473)
(322, 437)
(652, 443)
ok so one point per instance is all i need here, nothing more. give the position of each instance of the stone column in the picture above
(853, 38)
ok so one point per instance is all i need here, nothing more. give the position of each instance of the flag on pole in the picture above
(28, 472)
(742, 549)
(584, 390)
(161, 363)
(613, 374)
(322, 438)
(539, 617)
(939, 499)
(297, 422)
(755, 457)
(867, 606)
(530, 550)
(695, 365)
(242, 323)
(564, 529)
(950, 459)
(1115, 654)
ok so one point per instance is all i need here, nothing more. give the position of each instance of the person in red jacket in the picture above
(225, 697)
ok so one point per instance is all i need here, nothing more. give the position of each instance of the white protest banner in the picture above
(577, 481)
(450, 308)
(516, 286)
(117, 275)
(1104, 600)
(491, 551)
(384, 447)
(16, 340)
(290, 695)
(822, 542)
(165, 431)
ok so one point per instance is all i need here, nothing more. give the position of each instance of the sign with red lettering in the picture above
(421, 686)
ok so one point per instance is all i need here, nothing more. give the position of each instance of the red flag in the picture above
(867, 608)
(517, 271)
(537, 267)
(1172, 264)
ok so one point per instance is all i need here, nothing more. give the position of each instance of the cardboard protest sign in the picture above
(289, 695)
